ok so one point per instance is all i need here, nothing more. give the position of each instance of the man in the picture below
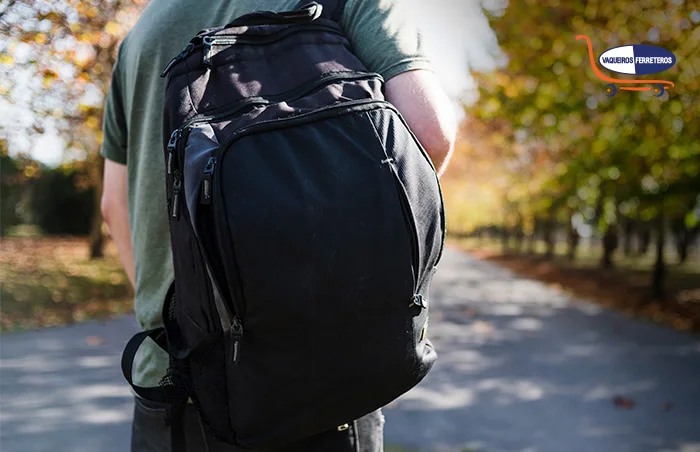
(134, 204)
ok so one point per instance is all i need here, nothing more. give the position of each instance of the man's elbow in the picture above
(439, 146)
(438, 141)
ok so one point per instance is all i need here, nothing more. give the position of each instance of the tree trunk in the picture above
(629, 231)
(683, 238)
(549, 238)
(644, 241)
(519, 238)
(573, 241)
(532, 240)
(96, 239)
(683, 252)
(610, 242)
(504, 239)
(659, 273)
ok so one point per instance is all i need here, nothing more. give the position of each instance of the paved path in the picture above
(521, 368)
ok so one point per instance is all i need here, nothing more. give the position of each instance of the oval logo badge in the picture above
(637, 59)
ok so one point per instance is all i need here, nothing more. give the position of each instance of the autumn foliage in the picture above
(544, 152)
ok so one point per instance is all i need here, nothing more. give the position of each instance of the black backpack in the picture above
(306, 224)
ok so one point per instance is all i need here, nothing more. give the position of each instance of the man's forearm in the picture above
(119, 230)
(115, 212)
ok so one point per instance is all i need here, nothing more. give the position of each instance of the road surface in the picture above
(522, 367)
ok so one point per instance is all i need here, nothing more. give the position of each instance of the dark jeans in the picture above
(151, 434)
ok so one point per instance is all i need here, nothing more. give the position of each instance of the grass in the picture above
(625, 287)
(47, 281)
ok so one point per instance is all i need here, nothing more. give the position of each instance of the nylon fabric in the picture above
(422, 186)
(321, 222)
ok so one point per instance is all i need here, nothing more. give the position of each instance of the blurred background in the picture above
(595, 197)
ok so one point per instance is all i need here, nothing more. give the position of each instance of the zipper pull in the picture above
(419, 301)
(207, 42)
(210, 41)
(236, 336)
(172, 145)
(177, 188)
(207, 181)
(179, 57)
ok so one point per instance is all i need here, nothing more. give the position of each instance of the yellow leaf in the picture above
(7, 60)
(112, 28)
(511, 91)
(92, 122)
(30, 171)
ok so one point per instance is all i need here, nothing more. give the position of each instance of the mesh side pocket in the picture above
(177, 374)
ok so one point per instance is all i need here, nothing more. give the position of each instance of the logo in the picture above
(632, 59)
(637, 59)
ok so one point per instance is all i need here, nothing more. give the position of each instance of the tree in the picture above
(565, 150)
(64, 52)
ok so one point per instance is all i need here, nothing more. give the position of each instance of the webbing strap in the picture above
(161, 394)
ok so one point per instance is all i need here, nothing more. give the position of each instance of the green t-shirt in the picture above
(379, 32)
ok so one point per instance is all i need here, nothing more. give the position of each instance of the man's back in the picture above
(133, 120)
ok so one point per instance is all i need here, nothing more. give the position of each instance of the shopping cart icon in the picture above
(657, 87)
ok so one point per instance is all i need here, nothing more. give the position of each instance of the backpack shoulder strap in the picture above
(332, 9)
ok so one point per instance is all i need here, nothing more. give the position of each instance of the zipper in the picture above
(236, 339)
(418, 300)
(413, 230)
(225, 314)
(172, 146)
(293, 95)
(208, 41)
(443, 222)
(177, 189)
(176, 150)
(273, 123)
(207, 176)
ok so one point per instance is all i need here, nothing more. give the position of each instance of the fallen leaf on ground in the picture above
(623, 402)
(470, 312)
(482, 327)
(94, 341)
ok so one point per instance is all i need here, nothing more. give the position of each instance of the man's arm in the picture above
(116, 214)
(428, 111)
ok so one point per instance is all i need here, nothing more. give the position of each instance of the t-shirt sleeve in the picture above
(114, 129)
(383, 36)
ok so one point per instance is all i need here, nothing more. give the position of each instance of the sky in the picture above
(455, 35)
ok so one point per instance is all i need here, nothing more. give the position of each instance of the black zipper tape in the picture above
(411, 224)
(231, 110)
(206, 41)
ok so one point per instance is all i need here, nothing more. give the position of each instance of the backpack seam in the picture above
(374, 129)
